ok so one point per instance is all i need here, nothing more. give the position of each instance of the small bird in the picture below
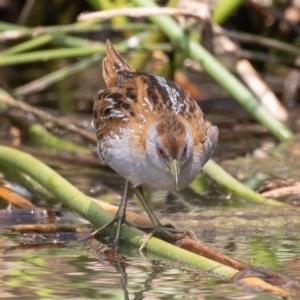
(150, 131)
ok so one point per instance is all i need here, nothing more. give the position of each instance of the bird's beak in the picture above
(174, 167)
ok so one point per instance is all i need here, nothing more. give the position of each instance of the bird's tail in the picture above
(113, 64)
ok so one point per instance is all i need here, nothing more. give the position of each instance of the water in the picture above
(76, 271)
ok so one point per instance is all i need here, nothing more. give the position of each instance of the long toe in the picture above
(114, 238)
(166, 233)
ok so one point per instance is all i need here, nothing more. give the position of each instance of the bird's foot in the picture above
(167, 233)
(119, 220)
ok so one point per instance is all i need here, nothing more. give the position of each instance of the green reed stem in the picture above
(11, 31)
(225, 9)
(44, 82)
(224, 179)
(41, 136)
(70, 53)
(29, 45)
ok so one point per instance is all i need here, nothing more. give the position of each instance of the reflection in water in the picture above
(74, 271)
(120, 267)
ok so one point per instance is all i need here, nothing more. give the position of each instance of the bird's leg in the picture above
(119, 218)
(121, 213)
(140, 194)
(169, 233)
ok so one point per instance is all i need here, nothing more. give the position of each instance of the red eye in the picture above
(160, 152)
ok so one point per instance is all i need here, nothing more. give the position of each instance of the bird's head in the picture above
(169, 146)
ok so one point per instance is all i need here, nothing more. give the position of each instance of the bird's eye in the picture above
(184, 152)
(160, 152)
